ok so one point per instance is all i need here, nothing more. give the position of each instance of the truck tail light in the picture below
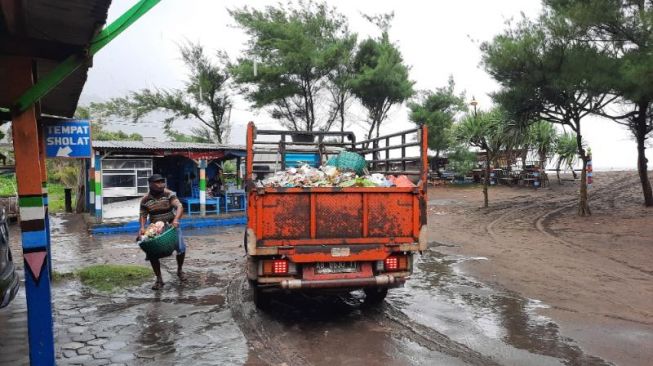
(396, 263)
(277, 267)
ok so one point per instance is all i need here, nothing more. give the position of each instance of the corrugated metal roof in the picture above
(49, 31)
(63, 99)
(66, 21)
(162, 145)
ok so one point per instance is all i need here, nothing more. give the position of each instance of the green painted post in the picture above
(202, 166)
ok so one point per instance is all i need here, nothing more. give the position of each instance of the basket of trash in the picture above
(350, 161)
(161, 245)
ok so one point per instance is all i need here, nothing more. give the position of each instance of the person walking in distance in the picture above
(161, 204)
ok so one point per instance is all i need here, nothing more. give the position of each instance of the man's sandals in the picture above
(182, 277)
(158, 285)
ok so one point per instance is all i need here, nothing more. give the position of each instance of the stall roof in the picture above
(191, 150)
(49, 31)
(161, 145)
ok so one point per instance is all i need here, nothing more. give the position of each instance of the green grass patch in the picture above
(56, 197)
(110, 277)
(62, 276)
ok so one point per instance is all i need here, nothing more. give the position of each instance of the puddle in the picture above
(501, 325)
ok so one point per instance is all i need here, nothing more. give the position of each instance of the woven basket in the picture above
(162, 245)
(350, 161)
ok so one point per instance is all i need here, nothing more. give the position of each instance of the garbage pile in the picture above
(153, 230)
(331, 176)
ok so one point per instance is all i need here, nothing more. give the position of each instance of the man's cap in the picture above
(155, 178)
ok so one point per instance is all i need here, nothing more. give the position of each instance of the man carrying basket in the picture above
(161, 204)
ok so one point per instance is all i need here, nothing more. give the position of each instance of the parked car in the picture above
(8, 279)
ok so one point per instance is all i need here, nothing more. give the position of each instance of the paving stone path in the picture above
(184, 324)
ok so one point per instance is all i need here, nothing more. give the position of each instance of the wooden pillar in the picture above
(34, 230)
(44, 188)
(202, 166)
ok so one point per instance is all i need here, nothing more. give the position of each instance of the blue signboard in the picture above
(68, 139)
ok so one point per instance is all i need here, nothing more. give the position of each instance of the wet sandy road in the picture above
(593, 273)
(441, 317)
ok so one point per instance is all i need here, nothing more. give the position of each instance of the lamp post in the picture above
(486, 180)
(474, 103)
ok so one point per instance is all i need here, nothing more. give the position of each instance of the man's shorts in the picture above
(181, 246)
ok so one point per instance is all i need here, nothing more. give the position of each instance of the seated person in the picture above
(214, 187)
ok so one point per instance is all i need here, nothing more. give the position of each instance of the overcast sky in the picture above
(436, 38)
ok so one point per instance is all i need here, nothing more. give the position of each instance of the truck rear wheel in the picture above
(375, 295)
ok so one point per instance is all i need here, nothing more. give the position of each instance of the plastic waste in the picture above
(403, 181)
(331, 176)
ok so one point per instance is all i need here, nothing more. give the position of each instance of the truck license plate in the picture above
(336, 267)
(340, 252)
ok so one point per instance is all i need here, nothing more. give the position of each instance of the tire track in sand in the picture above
(542, 221)
(268, 348)
(274, 351)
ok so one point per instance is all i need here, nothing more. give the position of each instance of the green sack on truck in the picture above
(349, 161)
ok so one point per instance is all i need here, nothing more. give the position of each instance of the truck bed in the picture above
(305, 222)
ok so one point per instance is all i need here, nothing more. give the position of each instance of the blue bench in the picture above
(195, 200)
(188, 202)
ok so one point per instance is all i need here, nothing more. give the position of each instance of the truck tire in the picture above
(261, 299)
(375, 295)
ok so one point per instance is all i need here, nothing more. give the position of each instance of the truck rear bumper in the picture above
(376, 281)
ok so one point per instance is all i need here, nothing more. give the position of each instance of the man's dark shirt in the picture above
(160, 208)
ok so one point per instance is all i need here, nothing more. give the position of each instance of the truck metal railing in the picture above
(386, 155)
(324, 144)
(397, 153)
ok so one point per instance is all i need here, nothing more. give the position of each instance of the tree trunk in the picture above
(573, 172)
(342, 120)
(558, 171)
(642, 161)
(369, 134)
(583, 203)
(642, 168)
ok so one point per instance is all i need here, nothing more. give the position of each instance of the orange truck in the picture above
(333, 238)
